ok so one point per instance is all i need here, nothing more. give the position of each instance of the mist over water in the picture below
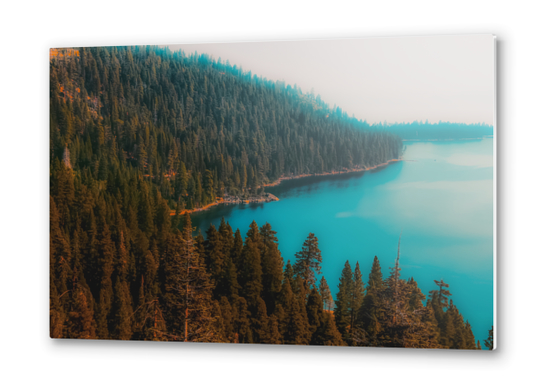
(440, 197)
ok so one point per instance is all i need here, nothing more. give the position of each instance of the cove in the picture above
(440, 197)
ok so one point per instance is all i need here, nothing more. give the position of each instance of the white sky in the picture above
(448, 78)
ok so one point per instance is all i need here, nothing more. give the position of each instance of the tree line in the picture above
(223, 288)
(443, 130)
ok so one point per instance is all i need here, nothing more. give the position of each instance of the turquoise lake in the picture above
(440, 197)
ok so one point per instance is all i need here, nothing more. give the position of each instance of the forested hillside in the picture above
(193, 127)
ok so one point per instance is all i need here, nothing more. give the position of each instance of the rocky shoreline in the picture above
(268, 197)
(265, 198)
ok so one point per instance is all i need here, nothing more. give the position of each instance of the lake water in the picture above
(440, 197)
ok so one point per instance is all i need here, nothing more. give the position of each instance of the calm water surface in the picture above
(440, 197)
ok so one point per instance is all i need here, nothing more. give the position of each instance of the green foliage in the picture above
(272, 266)
(357, 295)
(325, 293)
(375, 277)
(343, 303)
(308, 261)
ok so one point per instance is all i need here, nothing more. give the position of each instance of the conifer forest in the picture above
(141, 138)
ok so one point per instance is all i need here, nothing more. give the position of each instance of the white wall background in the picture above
(29, 29)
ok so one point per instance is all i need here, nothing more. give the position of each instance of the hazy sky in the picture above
(448, 78)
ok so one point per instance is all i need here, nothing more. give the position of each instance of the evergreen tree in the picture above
(274, 336)
(228, 319)
(439, 302)
(343, 303)
(327, 333)
(106, 253)
(289, 272)
(81, 324)
(260, 323)
(190, 283)
(242, 323)
(315, 310)
(357, 295)
(375, 277)
(298, 328)
(469, 337)
(272, 266)
(325, 293)
(308, 261)
(250, 272)
(237, 249)
(489, 341)
(214, 254)
(122, 303)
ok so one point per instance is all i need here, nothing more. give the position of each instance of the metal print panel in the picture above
(326, 192)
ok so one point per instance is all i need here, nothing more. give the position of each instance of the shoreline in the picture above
(271, 197)
(221, 201)
(353, 170)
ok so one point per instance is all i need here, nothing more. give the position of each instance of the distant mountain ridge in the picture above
(436, 131)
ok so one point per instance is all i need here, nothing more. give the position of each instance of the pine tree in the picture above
(237, 249)
(122, 302)
(327, 333)
(214, 255)
(81, 324)
(357, 296)
(227, 318)
(308, 261)
(226, 237)
(122, 311)
(343, 303)
(289, 273)
(191, 286)
(469, 337)
(284, 307)
(260, 323)
(440, 296)
(106, 252)
(439, 302)
(272, 266)
(457, 338)
(416, 296)
(369, 318)
(375, 277)
(395, 315)
(274, 336)
(325, 293)
(489, 341)
(56, 314)
(250, 272)
(60, 257)
(298, 328)
(227, 284)
(370, 313)
(315, 310)
(217, 323)
(242, 323)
